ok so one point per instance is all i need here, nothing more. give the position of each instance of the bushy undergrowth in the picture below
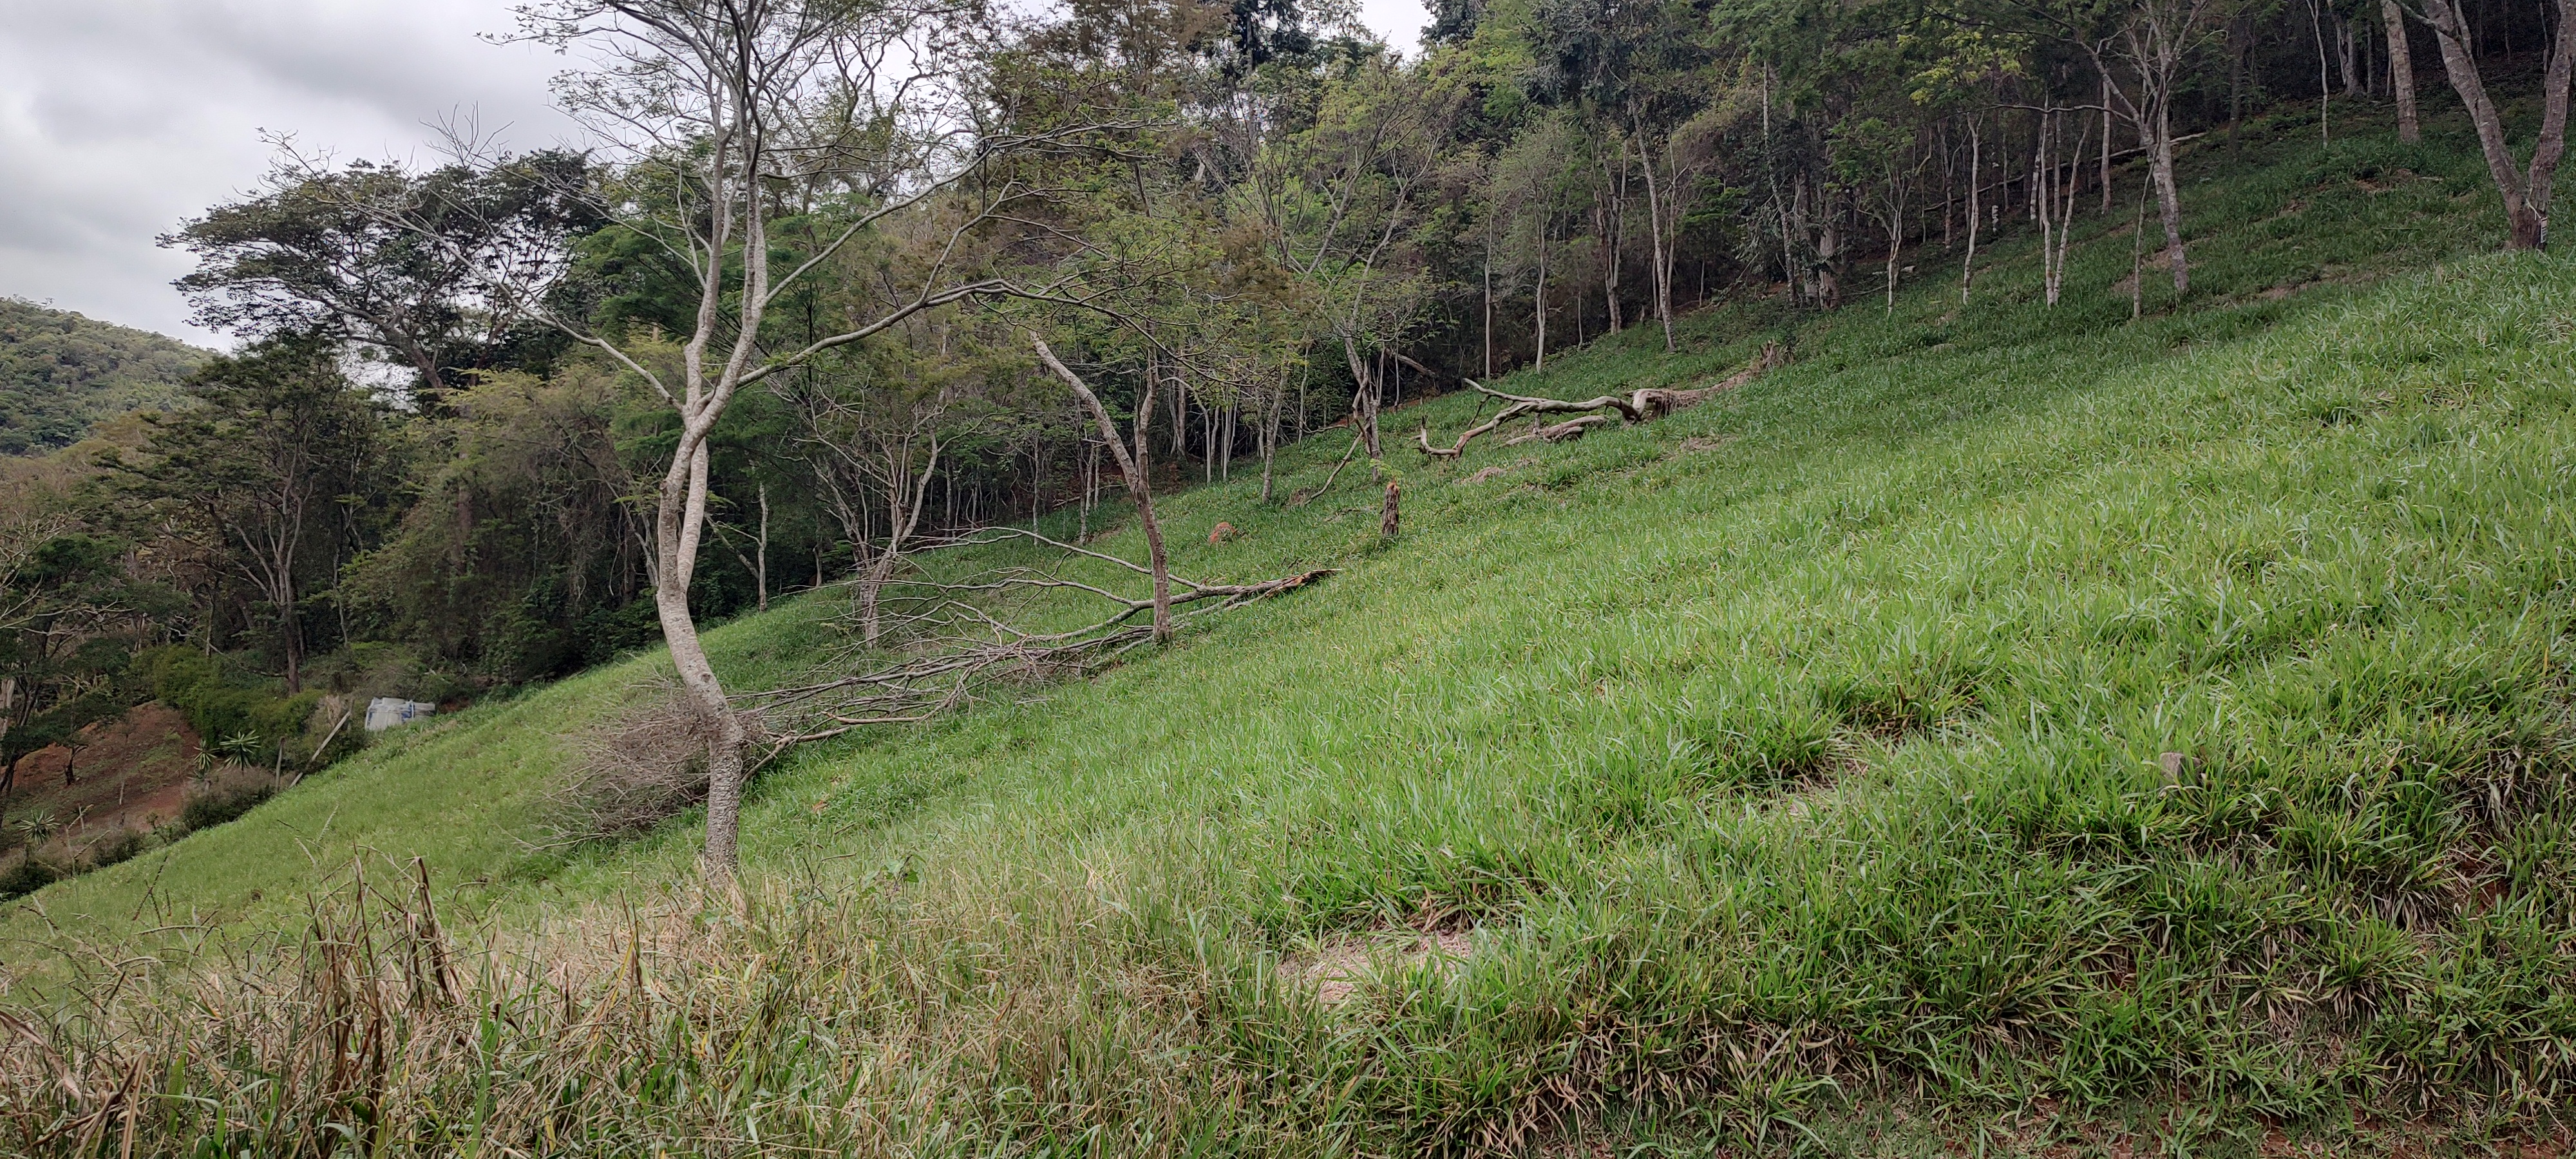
(2044, 725)
(226, 799)
(220, 707)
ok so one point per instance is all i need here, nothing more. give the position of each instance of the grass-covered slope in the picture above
(1997, 707)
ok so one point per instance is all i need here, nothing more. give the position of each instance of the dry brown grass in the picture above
(845, 1019)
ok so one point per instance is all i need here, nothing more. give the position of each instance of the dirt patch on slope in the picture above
(133, 770)
(1338, 967)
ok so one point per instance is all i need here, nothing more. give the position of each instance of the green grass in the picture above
(1796, 767)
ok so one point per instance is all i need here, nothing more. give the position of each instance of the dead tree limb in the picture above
(1302, 498)
(1638, 406)
(1528, 405)
(963, 645)
(1137, 487)
(1564, 432)
(974, 648)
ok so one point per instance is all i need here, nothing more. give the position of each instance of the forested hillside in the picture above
(1997, 725)
(1881, 577)
(60, 373)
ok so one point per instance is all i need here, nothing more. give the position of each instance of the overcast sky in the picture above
(120, 118)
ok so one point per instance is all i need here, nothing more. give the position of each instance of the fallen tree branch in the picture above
(968, 646)
(1302, 498)
(1642, 405)
(1528, 405)
(1564, 432)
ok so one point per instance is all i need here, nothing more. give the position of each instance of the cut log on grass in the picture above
(1637, 406)
(1388, 516)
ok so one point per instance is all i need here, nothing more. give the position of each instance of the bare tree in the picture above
(881, 443)
(2053, 177)
(2140, 48)
(1669, 179)
(1138, 488)
(718, 106)
(1340, 203)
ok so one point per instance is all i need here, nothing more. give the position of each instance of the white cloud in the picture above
(1398, 22)
(121, 118)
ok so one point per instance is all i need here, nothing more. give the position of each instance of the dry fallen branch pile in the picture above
(964, 646)
(1636, 407)
(641, 767)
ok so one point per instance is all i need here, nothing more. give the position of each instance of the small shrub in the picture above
(30, 874)
(226, 798)
(121, 845)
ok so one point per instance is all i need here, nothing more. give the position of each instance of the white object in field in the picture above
(386, 712)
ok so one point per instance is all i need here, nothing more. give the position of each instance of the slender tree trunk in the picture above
(2325, 85)
(2040, 170)
(1895, 242)
(1614, 210)
(1658, 251)
(1829, 251)
(2167, 195)
(1364, 402)
(906, 496)
(1540, 296)
(2348, 56)
(1976, 161)
(1180, 422)
(1137, 486)
(679, 516)
(2138, 258)
(2401, 71)
(1489, 306)
(1269, 442)
(2106, 141)
(2236, 53)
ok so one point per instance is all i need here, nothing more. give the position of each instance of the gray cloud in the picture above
(121, 118)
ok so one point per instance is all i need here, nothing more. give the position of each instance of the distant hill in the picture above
(60, 372)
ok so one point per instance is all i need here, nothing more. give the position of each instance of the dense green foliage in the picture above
(218, 705)
(1999, 715)
(60, 373)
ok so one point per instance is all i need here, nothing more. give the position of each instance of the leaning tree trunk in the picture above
(2526, 194)
(1138, 487)
(1976, 161)
(1538, 299)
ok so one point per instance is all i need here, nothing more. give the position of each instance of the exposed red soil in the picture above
(133, 770)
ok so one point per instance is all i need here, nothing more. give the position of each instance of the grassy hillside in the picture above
(2001, 727)
(60, 373)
